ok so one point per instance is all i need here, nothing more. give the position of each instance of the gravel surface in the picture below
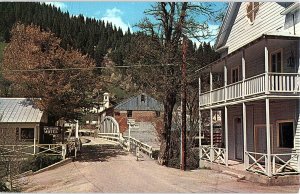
(105, 167)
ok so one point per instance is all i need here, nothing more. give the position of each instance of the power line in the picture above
(86, 68)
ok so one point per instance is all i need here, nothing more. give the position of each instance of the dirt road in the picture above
(107, 168)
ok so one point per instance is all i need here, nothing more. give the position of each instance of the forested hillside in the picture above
(90, 36)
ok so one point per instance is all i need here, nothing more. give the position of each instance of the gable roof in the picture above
(19, 110)
(136, 103)
(231, 13)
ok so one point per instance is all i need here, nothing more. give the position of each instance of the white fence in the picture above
(23, 150)
(213, 154)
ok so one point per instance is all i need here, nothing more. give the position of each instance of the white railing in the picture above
(257, 162)
(255, 85)
(205, 152)
(205, 98)
(133, 143)
(288, 163)
(234, 90)
(48, 149)
(218, 154)
(218, 95)
(278, 83)
(284, 82)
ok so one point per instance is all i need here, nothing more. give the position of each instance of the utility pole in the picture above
(183, 106)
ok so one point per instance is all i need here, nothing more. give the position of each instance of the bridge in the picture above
(109, 130)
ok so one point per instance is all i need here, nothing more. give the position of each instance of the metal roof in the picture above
(19, 110)
(136, 103)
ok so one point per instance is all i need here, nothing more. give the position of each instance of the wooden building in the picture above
(20, 121)
(259, 98)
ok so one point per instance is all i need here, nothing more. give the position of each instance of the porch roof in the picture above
(270, 35)
(19, 110)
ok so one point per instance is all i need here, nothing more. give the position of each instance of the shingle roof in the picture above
(136, 103)
(19, 110)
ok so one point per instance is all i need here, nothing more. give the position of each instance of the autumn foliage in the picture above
(27, 60)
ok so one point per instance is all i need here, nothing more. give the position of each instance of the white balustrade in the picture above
(278, 83)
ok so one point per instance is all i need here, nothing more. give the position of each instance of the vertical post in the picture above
(210, 87)
(76, 129)
(34, 140)
(266, 67)
(268, 132)
(226, 136)
(200, 127)
(211, 136)
(225, 80)
(246, 161)
(243, 73)
(183, 106)
(129, 137)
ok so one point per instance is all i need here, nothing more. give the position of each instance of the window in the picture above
(27, 133)
(129, 113)
(252, 9)
(142, 98)
(285, 134)
(276, 62)
(235, 75)
(157, 113)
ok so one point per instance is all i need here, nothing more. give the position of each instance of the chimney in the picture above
(106, 100)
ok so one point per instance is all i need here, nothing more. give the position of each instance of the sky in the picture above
(121, 14)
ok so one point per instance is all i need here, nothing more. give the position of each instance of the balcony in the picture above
(278, 84)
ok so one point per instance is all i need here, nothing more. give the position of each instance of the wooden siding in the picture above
(268, 19)
(256, 116)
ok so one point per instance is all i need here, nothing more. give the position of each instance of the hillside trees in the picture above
(159, 47)
(35, 50)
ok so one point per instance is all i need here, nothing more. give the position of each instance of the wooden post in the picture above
(243, 74)
(34, 139)
(226, 136)
(200, 127)
(211, 136)
(266, 67)
(246, 161)
(225, 80)
(268, 132)
(210, 86)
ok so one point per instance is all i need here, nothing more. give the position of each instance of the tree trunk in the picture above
(166, 133)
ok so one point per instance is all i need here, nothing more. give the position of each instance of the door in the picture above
(239, 142)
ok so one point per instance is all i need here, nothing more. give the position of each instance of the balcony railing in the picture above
(253, 86)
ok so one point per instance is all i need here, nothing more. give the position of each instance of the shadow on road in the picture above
(103, 152)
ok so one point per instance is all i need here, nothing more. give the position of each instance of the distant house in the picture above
(20, 121)
(142, 108)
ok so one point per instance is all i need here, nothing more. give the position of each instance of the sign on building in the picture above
(52, 129)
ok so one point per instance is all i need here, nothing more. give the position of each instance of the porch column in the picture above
(246, 159)
(243, 74)
(210, 87)
(268, 133)
(225, 81)
(200, 127)
(266, 67)
(211, 136)
(34, 139)
(226, 136)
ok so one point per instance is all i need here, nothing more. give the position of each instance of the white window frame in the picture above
(281, 61)
(277, 131)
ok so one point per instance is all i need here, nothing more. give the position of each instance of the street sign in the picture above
(52, 129)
